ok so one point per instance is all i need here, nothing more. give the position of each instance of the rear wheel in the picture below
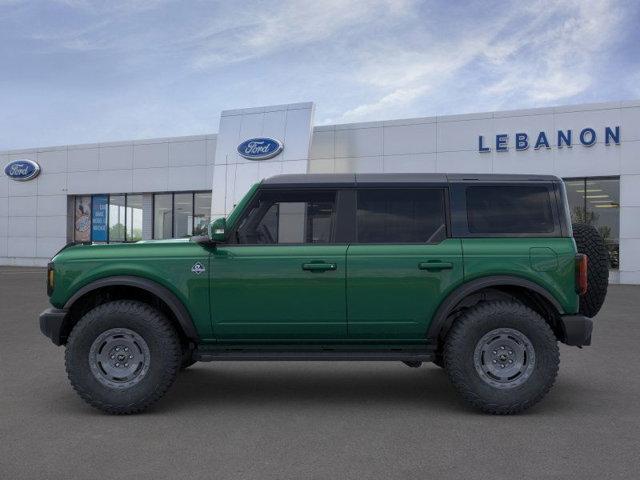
(122, 356)
(502, 357)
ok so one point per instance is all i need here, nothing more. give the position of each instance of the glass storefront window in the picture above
(182, 215)
(105, 218)
(134, 218)
(201, 212)
(117, 218)
(82, 219)
(162, 215)
(596, 202)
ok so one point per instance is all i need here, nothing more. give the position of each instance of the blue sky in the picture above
(76, 71)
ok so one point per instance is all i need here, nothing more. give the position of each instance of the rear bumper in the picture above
(577, 330)
(51, 324)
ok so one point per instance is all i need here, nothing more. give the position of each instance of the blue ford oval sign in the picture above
(22, 170)
(260, 148)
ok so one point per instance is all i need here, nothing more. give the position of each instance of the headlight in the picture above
(51, 278)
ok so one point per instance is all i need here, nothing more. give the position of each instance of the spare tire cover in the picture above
(590, 242)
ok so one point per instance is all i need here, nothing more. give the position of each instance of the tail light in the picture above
(581, 273)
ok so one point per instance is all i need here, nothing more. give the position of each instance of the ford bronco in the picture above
(481, 274)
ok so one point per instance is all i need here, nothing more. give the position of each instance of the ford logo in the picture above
(22, 170)
(260, 148)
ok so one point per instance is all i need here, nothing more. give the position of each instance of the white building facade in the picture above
(171, 187)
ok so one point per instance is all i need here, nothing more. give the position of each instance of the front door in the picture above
(281, 277)
(401, 265)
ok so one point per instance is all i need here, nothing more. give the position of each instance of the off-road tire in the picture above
(468, 331)
(187, 359)
(438, 359)
(590, 242)
(165, 356)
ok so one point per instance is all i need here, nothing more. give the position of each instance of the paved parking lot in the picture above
(317, 420)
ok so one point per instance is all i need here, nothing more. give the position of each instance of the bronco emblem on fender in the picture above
(198, 268)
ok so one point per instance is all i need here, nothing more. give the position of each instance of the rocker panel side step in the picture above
(314, 355)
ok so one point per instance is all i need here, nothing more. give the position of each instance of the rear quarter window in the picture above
(509, 209)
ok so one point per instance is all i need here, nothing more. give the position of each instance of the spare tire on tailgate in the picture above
(590, 242)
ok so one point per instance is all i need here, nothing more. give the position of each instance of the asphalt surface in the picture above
(317, 420)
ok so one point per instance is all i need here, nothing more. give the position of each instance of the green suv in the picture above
(480, 274)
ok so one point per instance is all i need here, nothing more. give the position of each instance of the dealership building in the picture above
(171, 187)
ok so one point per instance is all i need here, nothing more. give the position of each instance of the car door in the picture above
(401, 264)
(281, 277)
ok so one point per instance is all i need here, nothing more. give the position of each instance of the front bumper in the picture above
(52, 322)
(577, 330)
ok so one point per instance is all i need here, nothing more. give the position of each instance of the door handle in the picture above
(435, 266)
(319, 266)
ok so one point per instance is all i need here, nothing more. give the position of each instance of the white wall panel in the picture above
(580, 161)
(420, 138)
(297, 135)
(359, 165)
(150, 180)
(22, 227)
(46, 247)
(420, 162)
(630, 124)
(630, 156)
(151, 155)
(21, 246)
(22, 189)
(21, 207)
(630, 191)
(188, 178)
(52, 183)
(52, 161)
(322, 165)
(629, 224)
(464, 162)
(105, 181)
(322, 144)
(188, 153)
(117, 157)
(51, 205)
(358, 142)
(52, 226)
(83, 159)
(525, 161)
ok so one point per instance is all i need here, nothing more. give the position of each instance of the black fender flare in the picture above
(167, 296)
(440, 318)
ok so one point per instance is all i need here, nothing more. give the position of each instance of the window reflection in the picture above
(596, 202)
(162, 215)
(134, 218)
(117, 218)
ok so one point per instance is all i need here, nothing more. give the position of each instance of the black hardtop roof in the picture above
(369, 179)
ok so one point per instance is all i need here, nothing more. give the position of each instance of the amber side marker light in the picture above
(51, 277)
(581, 273)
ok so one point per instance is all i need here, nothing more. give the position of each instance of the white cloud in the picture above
(253, 33)
(544, 51)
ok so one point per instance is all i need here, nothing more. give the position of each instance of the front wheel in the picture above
(122, 356)
(502, 357)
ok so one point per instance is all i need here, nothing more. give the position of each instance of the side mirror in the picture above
(218, 230)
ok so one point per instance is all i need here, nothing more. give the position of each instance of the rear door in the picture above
(401, 264)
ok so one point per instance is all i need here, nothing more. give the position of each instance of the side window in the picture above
(509, 209)
(288, 217)
(401, 216)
